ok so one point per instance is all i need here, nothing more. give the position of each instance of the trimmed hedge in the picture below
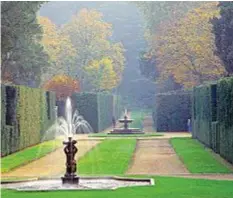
(213, 116)
(105, 110)
(202, 114)
(24, 113)
(87, 106)
(225, 117)
(97, 109)
(172, 111)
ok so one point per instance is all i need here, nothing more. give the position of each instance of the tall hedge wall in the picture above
(225, 117)
(25, 117)
(97, 109)
(213, 116)
(202, 114)
(105, 110)
(87, 105)
(171, 111)
(117, 106)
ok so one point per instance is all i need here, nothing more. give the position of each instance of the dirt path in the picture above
(52, 164)
(148, 124)
(155, 157)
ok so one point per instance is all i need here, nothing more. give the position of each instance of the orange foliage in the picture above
(63, 85)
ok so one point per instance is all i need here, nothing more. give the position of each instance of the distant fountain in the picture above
(126, 129)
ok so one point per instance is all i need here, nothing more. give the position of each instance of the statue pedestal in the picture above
(70, 180)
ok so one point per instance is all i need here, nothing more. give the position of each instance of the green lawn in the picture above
(122, 136)
(196, 158)
(138, 117)
(29, 154)
(165, 187)
(111, 157)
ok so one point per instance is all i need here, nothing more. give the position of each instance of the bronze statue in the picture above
(70, 151)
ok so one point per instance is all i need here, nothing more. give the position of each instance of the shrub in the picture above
(87, 105)
(172, 110)
(225, 117)
(26, 114)
(97, 109)
(213, 116)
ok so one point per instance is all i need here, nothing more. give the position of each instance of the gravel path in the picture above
(155, 157)
(148, 124)
(52, 164)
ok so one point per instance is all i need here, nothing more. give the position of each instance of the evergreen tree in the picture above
(23, 58)
(223, 30)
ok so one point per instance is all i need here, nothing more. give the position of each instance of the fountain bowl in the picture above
(85, 183)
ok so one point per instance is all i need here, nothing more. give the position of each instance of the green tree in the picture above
(223, 30)
(22, 59)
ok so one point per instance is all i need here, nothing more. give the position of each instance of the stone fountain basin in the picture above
(85, 183)
(126, 131)
(123, 120)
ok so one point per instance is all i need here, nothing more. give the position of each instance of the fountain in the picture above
(70, 181)
(126, 129)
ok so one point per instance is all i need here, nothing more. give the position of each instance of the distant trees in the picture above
(183, 47)
(62, 85)
(89, 35)
(34, 49)
(223, 30)
(101, 74)
(22, 57)
(59, 48)
(147, 66)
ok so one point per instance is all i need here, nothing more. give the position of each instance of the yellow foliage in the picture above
(90, 36)
(102, 74)
(185, 49)
(58, 46)
(50, 39)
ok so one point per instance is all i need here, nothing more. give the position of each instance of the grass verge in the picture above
(111, 157)
(165, 187)
(196, 158)
(29, 154)
(122, 135)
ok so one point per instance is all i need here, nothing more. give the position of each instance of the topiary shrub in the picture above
(172, 111)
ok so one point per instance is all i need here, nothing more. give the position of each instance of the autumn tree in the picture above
(156, 13)
(63, 85)
(59, 48)
(23, 59)
(223, 30)
(185, 49)
(101, 74)
(89, 35)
